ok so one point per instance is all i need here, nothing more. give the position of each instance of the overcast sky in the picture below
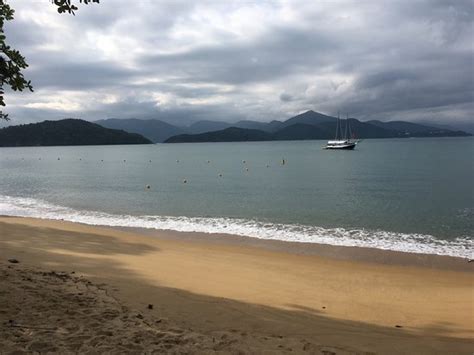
(259, 60)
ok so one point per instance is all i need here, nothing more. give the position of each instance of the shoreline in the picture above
(354, 252)
(294, 295)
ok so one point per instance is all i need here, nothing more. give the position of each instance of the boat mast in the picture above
(347, 124)
(337, 126)
(350, 130)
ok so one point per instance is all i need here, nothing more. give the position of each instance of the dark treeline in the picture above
(66, 132)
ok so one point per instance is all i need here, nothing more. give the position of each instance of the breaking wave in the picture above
(410, 243)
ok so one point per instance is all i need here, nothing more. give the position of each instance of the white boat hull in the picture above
(342, 145)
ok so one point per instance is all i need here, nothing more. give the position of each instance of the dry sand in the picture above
(210, 295)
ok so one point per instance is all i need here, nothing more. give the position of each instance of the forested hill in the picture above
(310, 126)
(232, 134)
(66, 132)
(307, 125)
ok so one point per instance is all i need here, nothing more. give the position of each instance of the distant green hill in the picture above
(307, 125)
(65, 132)
(155, 130)
(312, 125)
(416, 130)
(232, 134)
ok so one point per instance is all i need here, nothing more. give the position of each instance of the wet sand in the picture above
(221, 294)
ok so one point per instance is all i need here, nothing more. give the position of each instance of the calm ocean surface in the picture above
(414, 195)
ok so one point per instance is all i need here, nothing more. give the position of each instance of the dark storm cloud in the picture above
(81, 76)
(286, 97)
(237, 60)
(279, 53)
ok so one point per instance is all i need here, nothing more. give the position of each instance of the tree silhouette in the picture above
(11, 61)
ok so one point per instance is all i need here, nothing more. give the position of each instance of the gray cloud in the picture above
(239, 60)
(286, 97)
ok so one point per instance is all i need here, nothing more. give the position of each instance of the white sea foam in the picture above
(411, 243)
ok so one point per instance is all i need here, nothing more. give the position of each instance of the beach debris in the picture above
(185, 181)
(13, 261)
(324, 307)
(150, 306)
(328, 352)
(398, 326)
(139, 316)
(470, 260)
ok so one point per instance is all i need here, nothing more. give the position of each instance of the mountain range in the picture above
(65, 132)
(308, 125)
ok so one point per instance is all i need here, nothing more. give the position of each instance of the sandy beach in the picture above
(79, 288)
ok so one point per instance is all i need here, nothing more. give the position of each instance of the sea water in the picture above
(412, 195)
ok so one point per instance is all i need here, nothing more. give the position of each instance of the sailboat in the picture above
(342, 142)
